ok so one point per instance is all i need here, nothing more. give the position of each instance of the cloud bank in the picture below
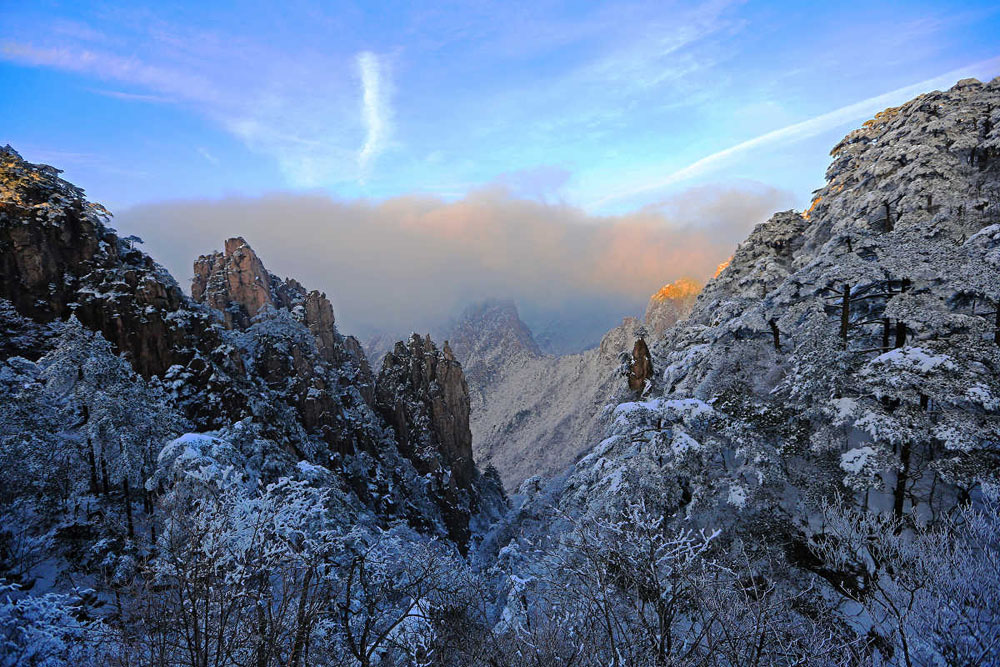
(409, 263)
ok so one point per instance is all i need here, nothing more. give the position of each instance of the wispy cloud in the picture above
(798, 131)
(297, 114)
(660, 51)
(374, 109)
(133, 97)
(165, 80)
(202, 151)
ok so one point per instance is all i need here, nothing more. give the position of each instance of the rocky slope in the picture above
(533, 414)
(852, 349)
(836, 386)
(247, 348)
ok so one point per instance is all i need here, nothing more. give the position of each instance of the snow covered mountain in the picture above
(146, 408)
(823, 415)
(534, 414)
(803, 471)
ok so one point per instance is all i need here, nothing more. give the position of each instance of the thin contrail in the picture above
(804, 129)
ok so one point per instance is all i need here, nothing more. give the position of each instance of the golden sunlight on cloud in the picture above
(411, 261)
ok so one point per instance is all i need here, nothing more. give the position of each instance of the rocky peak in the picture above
(422, 393)
(488, 338)
(233, 282)
(670, 304)
(492, 324)
(236, 283)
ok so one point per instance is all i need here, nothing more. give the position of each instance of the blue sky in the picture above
(606, 107)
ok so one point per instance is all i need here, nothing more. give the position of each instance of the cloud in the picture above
(296, 112)
(808, 128)
(133, 97)
(374, 109)
(660, 50)
(111, 67)
(204, 152)
(544, 182)
(408, 263)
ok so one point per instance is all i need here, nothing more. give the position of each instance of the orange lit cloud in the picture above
(410, 262)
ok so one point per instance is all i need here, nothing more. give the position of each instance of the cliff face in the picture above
(234, 282)
(58, 257)
(422, 394)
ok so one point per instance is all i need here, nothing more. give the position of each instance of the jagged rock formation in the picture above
(57, 256)
(422, 394)
(236, 284)
(248, 349)
(533, 414)
(640, 372)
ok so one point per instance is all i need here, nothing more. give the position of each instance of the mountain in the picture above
(825, 424)
(670, 304)
(533, 414)
(803, 470)
(247, 350)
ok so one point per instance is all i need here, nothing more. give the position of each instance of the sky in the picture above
(590, 119)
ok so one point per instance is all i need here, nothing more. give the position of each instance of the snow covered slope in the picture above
(853, 348)
(534, 414)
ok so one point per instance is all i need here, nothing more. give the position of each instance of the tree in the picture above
(932, 591)
(125, 419)
(392, 591)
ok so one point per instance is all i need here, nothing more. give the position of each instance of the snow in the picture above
(854, 460)
(845, 409)
(914, 359)
(311, 471)
(683, 443)
(671, 409)
(981, 394)
(737, 495)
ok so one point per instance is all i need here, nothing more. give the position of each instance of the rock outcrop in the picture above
(234, 282)
(640, 372)
(671, 303)
(58, 256)
(422, 394)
